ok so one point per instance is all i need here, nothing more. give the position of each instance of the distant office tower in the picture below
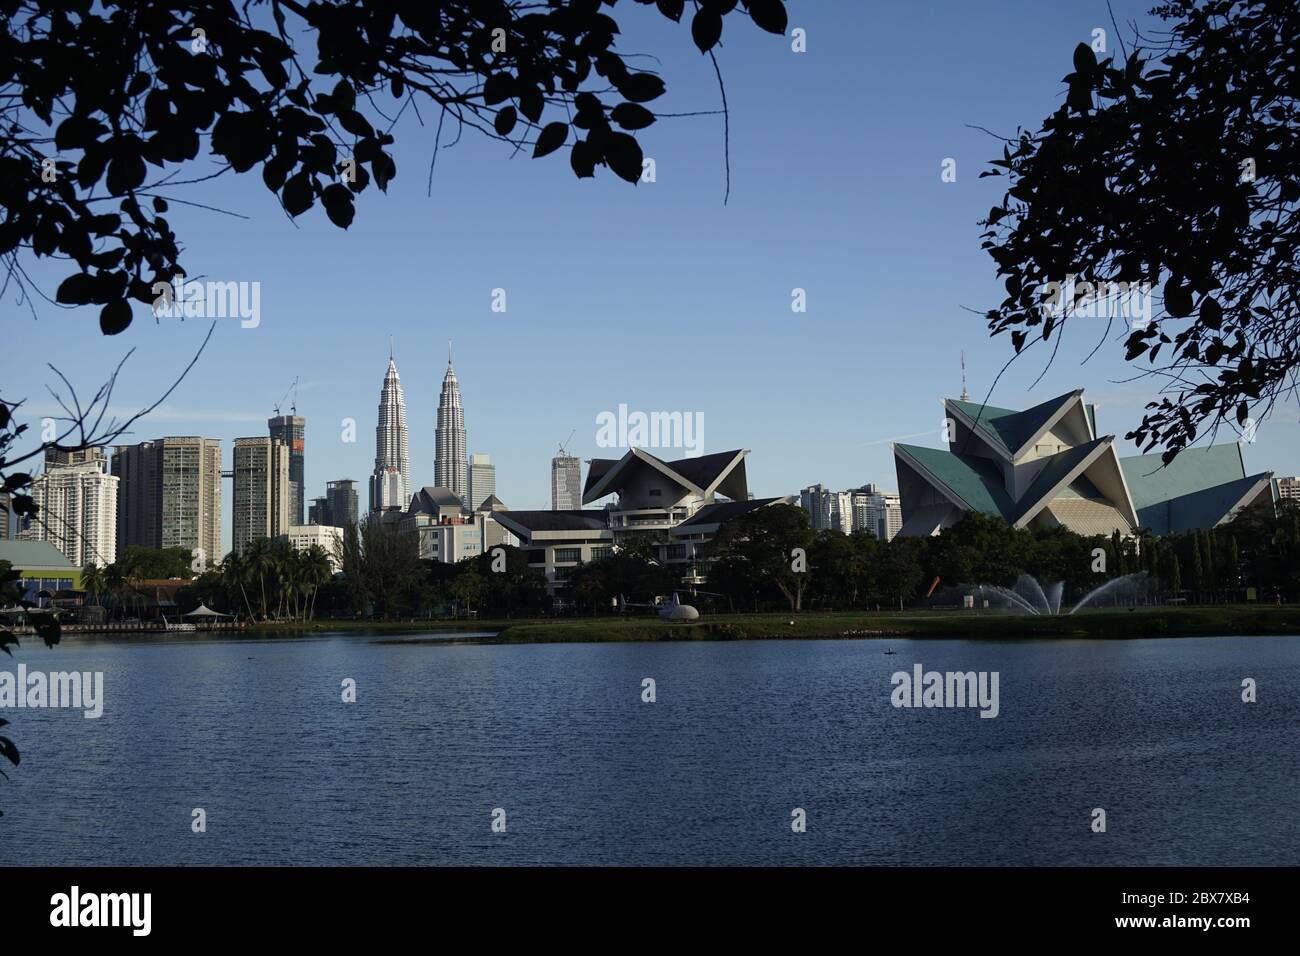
(57, 458)
(318, 511)
(566, 482)
(1288, 489)
(6, 516)
(292, 430)
(261, 491)
(169, 495)
(815, 500)
(390, 481)
(482, 481)
(77, 512)
(450, 465)
(340, 503)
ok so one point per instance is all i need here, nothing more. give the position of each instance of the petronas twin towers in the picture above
(390, 482)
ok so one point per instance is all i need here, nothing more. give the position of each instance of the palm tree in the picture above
(234, 573)
(115, 582)
(92, 581)
(260, 562)
(316, 571)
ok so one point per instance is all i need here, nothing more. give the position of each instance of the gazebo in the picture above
(205, 613)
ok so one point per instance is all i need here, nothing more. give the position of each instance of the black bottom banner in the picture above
(219, 904)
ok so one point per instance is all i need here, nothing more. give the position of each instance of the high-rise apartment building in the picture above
(169, 495)
(292, 430)
(482, 481)
(1288, 489)
(566, 482)
(390, 481)
(877, 512)
(337, 508)
(261, 491)
(57, 457)
(77, 512)
(815, 500)
(450, 465)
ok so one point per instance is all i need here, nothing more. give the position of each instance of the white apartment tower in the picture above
(78, 512)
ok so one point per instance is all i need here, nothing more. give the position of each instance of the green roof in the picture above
(976, 481)
(34, 554)
(1006, 428)
(1195, 490)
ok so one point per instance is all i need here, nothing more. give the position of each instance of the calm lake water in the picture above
(256, 733)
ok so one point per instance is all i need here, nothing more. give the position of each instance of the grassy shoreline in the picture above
(1122, 623)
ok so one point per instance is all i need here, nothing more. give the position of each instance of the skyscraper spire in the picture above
(390, 481)
(451, 463)
(965, 395)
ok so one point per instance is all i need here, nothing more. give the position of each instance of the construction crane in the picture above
(293, 406)
(563, 444)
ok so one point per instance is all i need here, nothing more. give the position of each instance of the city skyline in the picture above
(896, 247)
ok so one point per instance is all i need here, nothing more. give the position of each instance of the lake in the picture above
(741, 734)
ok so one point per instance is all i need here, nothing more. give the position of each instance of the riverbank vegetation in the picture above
(768, 560)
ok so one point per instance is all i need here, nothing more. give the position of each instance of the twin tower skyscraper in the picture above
(390, 482)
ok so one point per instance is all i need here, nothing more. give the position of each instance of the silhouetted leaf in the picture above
(337, 200)
(297, 194)
(504, 121)
(1178, 298)
(631, 116)
(770, 15)
(1085, 60)
(706, 28)
(641, 87)
(672, 9)
(114, 318)
(551, 138)
(76, 289)
(623, 154)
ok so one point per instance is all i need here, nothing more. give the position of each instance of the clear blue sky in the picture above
(656, 296)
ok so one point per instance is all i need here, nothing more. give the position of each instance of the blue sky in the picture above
(657, 296)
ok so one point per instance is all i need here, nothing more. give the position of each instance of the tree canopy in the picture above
(107, 106)
(1176, 165)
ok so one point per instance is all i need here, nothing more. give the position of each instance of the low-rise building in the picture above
(328, 538)
(681, 503)
(41, 567)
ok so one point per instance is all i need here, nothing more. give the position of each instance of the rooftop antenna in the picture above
(965, 395)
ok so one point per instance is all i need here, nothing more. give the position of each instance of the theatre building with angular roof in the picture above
(1046, 467)
(685, 501)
